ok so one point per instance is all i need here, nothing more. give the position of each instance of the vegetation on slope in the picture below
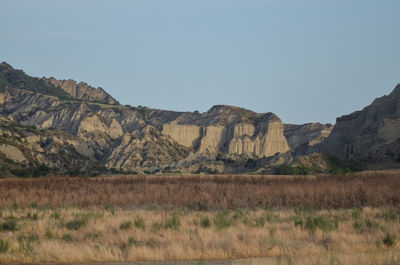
(12, 78)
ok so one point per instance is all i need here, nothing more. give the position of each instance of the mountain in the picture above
(82, 91)
(62, 126)
(303, 138)
(371, 135)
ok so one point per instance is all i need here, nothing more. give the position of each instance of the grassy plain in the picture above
(348, 219)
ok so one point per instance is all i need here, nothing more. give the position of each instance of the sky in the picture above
(304, 60)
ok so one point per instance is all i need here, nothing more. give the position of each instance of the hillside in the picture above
(90, 126)
(371, 135)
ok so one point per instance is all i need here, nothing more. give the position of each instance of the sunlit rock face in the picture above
(67, 121)
(230, 130)
(82, 91)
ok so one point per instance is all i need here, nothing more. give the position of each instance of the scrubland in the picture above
(348, 219)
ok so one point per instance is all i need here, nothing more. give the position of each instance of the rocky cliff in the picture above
(69, 121)
(302, 138)
(230, 130)
(28, 152)
(370, 135)
(82, 91)
(136, 139)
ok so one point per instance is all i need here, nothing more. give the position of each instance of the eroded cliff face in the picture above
(29, 152)
(372, 134)
(99, 132)
(230, 130)
(75, 122)
(82, 91)
(303, 138)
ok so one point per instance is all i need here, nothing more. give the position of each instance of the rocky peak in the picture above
(82, 91)
(372, 133)
(5, 66)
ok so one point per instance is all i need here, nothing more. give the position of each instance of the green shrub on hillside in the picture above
(289, 170)
(12, 78)
(339, 166)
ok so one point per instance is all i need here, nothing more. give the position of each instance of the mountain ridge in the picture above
(224, 139)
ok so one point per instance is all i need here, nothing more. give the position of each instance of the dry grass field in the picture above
(374, 188)
(349, 219)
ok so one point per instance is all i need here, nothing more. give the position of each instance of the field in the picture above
(338, 219)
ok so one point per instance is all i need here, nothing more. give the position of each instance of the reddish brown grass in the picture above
(379, 188)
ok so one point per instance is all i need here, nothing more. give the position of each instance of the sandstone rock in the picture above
(93, 124)
(230, 130)
(185, 135)
(371, 134)
(82, 91)
(302, 137)
(13, 153)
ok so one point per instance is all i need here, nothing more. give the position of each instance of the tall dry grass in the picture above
(378, 188)
(279, 237)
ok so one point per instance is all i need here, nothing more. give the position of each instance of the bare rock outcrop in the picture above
(230, 130)
(13, 153)
(82, 91)
(302, 138)
(372, 134)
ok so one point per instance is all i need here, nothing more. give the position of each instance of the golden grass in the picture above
(272, 234)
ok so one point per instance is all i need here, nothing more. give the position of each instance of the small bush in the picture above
(205, 222)
(324, 223)
(356, 213)
(9, 225)
(339, 166)
(55, 215)
(125, 225)
(390, 240)
(222, 220)
(33, 216)
(173, 223)
(288, 170)
(358, 226)
(4, 246)
(389, 215)
(77, 223)
(371, 224)
(25, 242)
(110, 207)
(157, 226)
(133, 242)
(49, 234)
(67, 238)
(139, 223)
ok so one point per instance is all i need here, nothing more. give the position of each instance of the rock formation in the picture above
(372, 134)
(302, 138)
(73, 127)
(230, 130)
(82, 91)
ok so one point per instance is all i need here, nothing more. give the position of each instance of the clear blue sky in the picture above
(305, 60)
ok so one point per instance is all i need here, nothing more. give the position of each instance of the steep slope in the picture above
(230, 130)
(371, 135)
(101, 130)
(82, 91)
(302, 138)
(11, 78)
(74, 122)
(28, 152)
